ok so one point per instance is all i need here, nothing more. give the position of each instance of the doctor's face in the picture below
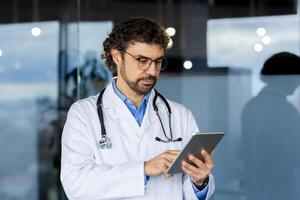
(140, 66)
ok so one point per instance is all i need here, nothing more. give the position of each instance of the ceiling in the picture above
(13, 11)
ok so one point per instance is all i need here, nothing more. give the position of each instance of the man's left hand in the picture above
(198, 170)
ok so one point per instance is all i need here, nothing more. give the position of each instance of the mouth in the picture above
(148, 81)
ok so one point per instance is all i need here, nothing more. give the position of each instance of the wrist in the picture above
(202, 185)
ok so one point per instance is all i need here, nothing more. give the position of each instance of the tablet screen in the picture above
(207, 141)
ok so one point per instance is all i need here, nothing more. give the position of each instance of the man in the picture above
(131, 162)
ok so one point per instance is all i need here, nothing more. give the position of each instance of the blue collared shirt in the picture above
(138, 114)
(201, 194)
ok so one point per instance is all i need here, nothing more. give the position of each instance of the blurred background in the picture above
(49, 58)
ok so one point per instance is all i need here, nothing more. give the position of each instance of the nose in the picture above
(152, 69)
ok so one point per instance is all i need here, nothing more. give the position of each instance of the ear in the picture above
(116, 56)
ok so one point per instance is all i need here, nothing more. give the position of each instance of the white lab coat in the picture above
(88, 172)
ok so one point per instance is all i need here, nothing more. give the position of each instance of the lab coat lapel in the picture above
(121, 112)
(150, 115)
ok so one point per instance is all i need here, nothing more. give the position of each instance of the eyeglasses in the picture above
(145, 63)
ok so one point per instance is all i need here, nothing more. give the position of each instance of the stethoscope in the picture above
(105, 142)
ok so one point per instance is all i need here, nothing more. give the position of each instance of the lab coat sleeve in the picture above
(188, 192)
(82, 178)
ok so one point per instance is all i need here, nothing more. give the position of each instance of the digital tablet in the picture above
(207, 141)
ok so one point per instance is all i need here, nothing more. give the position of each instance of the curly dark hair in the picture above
(137, 29)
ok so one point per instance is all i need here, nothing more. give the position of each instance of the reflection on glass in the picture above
(245, 43)
(230, 42)
(91, 71)
(271, 133)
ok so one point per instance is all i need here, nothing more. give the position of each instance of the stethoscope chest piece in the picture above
(105, 142)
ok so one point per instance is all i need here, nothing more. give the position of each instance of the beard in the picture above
(137, 86)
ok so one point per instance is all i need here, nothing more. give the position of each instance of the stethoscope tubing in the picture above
(104, 137)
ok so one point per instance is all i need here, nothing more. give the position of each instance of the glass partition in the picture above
(28, 101)
(35, 49)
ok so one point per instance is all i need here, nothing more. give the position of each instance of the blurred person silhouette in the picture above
(271, 128)
(94, 76)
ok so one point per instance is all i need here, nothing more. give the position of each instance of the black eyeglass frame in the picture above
(163, 63)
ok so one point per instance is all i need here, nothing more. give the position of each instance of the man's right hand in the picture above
(161, 163)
